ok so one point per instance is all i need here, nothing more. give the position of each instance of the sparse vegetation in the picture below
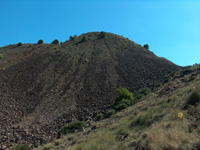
(72, 127)
(158, 85)
(192, 78)
(145, 91)
(172, 74)
(72, 38)
(110, 112)
(121, 106)
(84, 39)
(142, 93)
(55, 42)
(1, 56)
(142, 119)
(146, 46)
(37, 144)
(187, 71)
(99, 116)
(40, 41)
(19, 44)
(194, 98)
(21, 147)
(103, 34)
(166, 80)
(138, 96)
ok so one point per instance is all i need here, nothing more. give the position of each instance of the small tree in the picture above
(72, 38)
(146, 46)
(40, 41)
(19, 44)
(55, 42)
(84, 39)
(103, 34)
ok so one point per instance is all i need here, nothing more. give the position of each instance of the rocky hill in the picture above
(44, 86)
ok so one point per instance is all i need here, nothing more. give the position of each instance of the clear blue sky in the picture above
(170, 27)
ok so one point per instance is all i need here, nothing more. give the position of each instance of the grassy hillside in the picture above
(166, 119)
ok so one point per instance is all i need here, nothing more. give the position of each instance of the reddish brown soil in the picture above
(45, 86)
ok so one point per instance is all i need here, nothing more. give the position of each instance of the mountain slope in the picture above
(45, 86)
(166, 119)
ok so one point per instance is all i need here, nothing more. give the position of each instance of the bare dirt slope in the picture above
(44, 86)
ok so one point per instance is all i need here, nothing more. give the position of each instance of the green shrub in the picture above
(121, 106)
(72, 38)
(146, 46)
(145, 91)
(126, 101)
(1, 56)
(37, 144)
(194, 98)
(166, 80)
(84, 39)
(40, 41)
(192, 78)
(19, 44)
(103, 34)
(158, 85)
(55, 42)
(72, 127)
(187, 71)
(142, 93)
(110, 112)
(138, 96)
(172, 74)
(122, 93)
(21, 147)
(99, 116)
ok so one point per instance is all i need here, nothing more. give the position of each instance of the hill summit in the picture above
(44, 86)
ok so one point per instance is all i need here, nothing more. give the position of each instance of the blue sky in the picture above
(170, 27)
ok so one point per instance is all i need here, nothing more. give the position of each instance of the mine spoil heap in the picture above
(44, 86)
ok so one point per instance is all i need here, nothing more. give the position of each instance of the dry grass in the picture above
(100, 141)
(170, 136)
